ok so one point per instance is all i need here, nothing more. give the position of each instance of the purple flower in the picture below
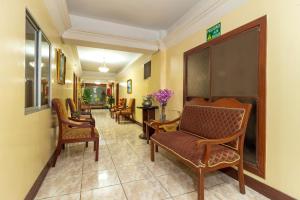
(162, 96)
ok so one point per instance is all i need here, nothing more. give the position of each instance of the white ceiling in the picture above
(92, 58)
(154, 14)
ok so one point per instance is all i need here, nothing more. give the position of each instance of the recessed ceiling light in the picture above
(103, 69)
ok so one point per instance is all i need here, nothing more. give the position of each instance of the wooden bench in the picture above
(210, 137)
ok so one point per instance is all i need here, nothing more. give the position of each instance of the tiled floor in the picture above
(124, 171)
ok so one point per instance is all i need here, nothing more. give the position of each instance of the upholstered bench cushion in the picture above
(78, 133)
(185, 146)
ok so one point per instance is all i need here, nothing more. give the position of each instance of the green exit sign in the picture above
(213, 32)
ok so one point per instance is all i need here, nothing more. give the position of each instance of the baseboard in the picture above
(38, 182)
(262, 188)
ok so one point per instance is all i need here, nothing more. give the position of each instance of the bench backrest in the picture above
(215, 120)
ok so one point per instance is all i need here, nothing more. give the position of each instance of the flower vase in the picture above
(163, 112)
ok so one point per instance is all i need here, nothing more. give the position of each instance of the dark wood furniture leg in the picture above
(152, 150)
(200, 185)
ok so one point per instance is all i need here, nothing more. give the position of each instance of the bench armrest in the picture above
(209, 142)
(221, 140)
(157, 124)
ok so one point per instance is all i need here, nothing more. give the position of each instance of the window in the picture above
(37, 67)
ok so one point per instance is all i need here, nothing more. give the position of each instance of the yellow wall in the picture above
(141, 87)
(283, 83)
(26, 141)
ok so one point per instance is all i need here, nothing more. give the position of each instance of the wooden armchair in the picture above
(210, 137)
(71, 131)
(121, 105)
(128, 112)
(77, 115)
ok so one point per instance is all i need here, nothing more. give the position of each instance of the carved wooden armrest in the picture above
(156, 124)
(209, 142)
(76, 124)
(82, 120)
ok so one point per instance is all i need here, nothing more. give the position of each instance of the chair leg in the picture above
(156, 148)
(200, 185)
(152, 150)
(56, 154)
(97, 150)
(95, 147)
(241, 177)
(119, 119)
(86, 144)
(63, 146)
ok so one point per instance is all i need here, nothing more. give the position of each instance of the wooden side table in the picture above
(148, 114)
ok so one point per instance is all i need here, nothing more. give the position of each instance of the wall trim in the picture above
(199, 18)
(58, 11)
(39, 180)
(258, 186)
(78, 35)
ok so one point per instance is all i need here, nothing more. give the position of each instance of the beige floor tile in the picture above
(102, 164)
(177, 183)
(213, 179)
(133, 173)
(159, 168)
(145, 190)
(194, 196)
(65, 197)
(126, 160)
(66, 168)
(108, 193)
(98, 179)
(59, 186)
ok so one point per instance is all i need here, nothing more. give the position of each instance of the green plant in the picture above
(87, 95)
(110, 100)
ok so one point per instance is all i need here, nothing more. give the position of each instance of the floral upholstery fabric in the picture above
(78, 133)
(185, 146)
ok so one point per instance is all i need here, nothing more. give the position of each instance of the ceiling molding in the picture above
(78, 35)
(97, 76)
(58, 11)
(199, 17)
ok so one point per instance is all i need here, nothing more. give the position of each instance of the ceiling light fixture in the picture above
(103, 68)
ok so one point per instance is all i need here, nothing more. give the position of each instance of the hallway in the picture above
(124, 171)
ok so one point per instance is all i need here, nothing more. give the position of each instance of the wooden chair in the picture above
(77, 115)
(128, 112)
(121, 105)
(71, 131)
(210, 137)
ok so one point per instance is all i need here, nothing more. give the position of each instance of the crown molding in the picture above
(97, 76)
(58, 11)
(199, 17)
(105, 39)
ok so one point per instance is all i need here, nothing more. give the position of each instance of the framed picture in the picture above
(129, 86)
(60, 66)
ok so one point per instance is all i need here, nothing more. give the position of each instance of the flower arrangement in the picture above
(163, 95)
